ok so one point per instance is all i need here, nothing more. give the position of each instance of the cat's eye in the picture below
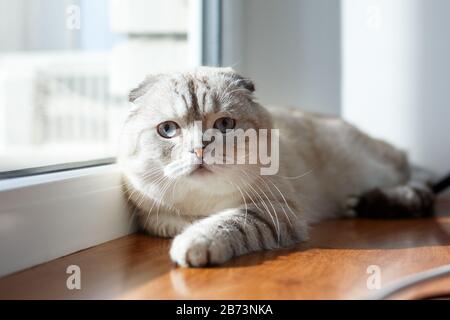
(168, 129)
(224, 124)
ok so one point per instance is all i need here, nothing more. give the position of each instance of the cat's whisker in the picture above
(270, 190)
(283, 197)
(295, 177)
(152, 174)
(140, 200)
(162, 198)
(153, 205)
(178, 166)
(263, 203)
(245, 204)
(159, 180)
(166, 183)
(277, 226)
(275, 197)
(173, 189)
(245, 201)
(249, 196)
(127, 190)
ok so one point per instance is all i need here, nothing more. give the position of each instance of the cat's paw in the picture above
(196, 250)
(398, 202)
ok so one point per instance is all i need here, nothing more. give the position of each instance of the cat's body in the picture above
(338, 160)
(327, 168)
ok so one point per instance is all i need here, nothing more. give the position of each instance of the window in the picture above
(66, 68)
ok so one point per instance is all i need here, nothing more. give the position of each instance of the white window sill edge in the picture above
(48, 216)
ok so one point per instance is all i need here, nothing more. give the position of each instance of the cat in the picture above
(327, 168)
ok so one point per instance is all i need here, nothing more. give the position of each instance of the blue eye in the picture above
(224, 124)
(168, 129)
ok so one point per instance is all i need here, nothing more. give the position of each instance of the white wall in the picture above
(291, 48)
(396, 74)
(382, 64)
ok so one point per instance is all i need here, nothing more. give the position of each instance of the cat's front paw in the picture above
(196, 250)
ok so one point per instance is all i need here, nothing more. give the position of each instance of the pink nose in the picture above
(199, 152)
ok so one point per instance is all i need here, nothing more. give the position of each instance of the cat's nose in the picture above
(198, 152)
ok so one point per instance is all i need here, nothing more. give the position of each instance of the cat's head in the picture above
(163, 136)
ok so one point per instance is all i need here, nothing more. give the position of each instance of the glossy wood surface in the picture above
(332, 265)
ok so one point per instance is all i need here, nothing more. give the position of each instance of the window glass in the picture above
(66, 68)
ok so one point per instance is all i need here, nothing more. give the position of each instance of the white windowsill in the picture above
(47, 216)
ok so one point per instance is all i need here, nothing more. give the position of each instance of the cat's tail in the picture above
(441, 185)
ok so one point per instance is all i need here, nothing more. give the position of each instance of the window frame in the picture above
(55, 168)
(52, 211)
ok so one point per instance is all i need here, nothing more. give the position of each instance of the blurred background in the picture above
(66, 67)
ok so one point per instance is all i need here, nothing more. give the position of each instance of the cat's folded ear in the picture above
(245, 83)
(143, 87)
(240, 81)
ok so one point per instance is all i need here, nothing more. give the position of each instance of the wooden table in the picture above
(332, 265)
